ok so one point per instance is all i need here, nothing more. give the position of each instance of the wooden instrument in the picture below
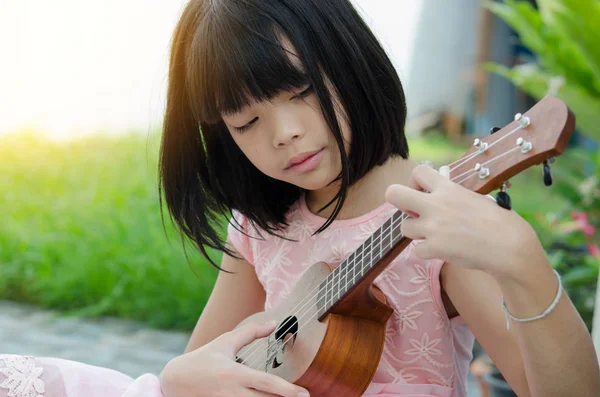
(331, 328)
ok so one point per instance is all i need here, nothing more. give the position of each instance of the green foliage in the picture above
(570, 233)
(81, 232)
(564, 35)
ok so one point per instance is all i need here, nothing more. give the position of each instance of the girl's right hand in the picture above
(211, 370)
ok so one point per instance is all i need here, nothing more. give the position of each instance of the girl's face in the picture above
(287, 138)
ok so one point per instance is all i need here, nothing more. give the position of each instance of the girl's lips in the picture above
(309, 162)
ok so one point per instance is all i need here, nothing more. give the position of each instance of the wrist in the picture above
(531, 293)
(522, 261)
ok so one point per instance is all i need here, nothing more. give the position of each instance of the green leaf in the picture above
(578, 22)
(555, 50)
(523, 18)
(580, 276)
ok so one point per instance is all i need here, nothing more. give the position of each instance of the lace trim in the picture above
(22, 377)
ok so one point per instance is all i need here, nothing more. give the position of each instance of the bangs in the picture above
(236, 60)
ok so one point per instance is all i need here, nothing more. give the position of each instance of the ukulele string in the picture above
(402, 220)
(485, 163)
(309, 297)
(308, 300)
(477, 152)
(351, 262)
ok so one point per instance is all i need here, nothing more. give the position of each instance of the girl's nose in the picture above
(287, 129)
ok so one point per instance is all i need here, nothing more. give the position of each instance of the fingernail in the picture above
(303, 393)
(271, 323)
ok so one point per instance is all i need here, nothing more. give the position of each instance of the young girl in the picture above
(288, 117)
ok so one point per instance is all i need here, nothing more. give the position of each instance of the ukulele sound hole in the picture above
(285, 335)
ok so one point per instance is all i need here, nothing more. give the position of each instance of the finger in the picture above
(425, 178)
(412, 228)
(422, 249)
(406, 199)
(255, 393)
(246, 334)
(268, 383)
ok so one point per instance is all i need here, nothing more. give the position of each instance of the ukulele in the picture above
(331, 328)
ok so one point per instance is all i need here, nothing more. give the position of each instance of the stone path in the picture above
(123, 345)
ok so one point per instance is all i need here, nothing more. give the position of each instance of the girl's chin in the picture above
(314, 183)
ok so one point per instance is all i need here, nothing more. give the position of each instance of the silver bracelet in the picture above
(544, 314)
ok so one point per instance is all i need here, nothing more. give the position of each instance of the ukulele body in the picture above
(337, 356)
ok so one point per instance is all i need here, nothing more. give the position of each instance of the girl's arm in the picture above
(234, 297)
(208, 367)
(492, 252)
(210, 371)
(552, 356)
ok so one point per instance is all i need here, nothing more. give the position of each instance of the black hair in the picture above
(226, 54)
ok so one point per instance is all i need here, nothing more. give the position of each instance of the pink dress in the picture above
(425, 353)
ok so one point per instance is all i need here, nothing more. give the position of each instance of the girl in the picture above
(290, 114)
(288, 117)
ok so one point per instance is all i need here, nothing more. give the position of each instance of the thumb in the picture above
(247, 333)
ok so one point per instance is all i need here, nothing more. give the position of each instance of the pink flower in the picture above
(580, 216)
(589, 230)
(581, 220)
(594, 250)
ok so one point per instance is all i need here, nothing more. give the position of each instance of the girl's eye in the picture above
(309, 90)
(247, 126)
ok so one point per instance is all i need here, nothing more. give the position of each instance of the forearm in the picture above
(557, 350)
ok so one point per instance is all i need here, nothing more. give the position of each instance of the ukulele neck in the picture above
(364, 264)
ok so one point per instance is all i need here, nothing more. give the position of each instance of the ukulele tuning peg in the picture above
(548, 172)
(502, 197)
(493, 130)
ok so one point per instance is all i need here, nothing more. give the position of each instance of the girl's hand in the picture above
(212, 371)
(463, 227)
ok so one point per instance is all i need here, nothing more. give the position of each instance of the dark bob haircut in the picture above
(226, 54)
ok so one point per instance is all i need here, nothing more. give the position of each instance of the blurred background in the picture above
(82, 94)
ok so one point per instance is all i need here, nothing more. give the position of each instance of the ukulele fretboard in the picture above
(354, 268)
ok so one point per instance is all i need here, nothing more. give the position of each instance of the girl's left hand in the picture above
(463, 227)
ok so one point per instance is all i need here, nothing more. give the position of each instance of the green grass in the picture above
(81, 232)
(81, 229)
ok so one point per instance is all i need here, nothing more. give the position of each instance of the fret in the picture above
(392, 219)
(369, 254)
(357, 259)
(329, 285)
(343, 284)
(321, 302)
(336, 285)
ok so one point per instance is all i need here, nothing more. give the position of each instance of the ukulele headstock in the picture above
(539, 134)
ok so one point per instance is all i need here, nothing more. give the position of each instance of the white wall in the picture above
(445, 52)
(395, 23)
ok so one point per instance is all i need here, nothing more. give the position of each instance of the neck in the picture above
(366, 194)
